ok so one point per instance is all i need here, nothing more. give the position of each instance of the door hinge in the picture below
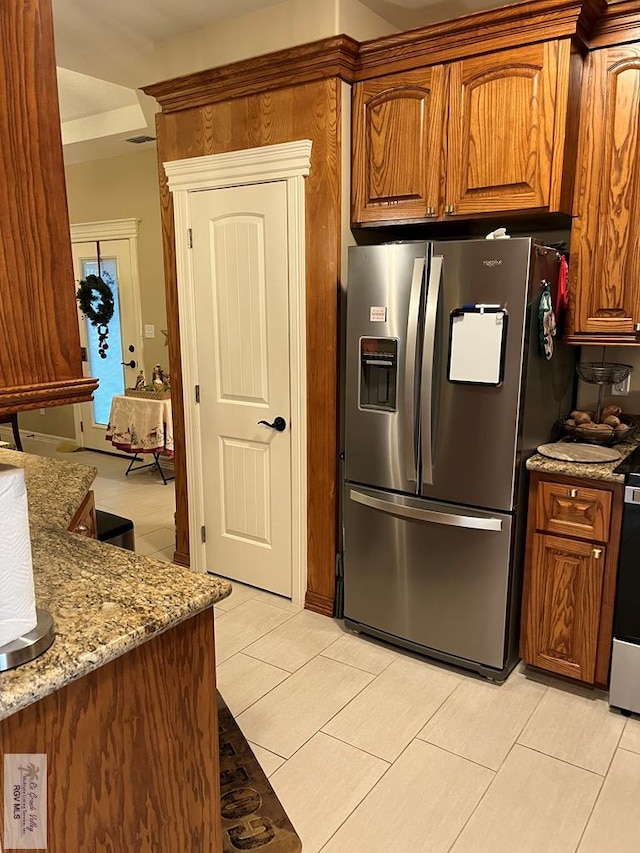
(190, 238)
(81, 427)
(83, 354)
(203, 533)
(197, 393)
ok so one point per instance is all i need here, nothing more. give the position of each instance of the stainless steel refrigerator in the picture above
(434, 502)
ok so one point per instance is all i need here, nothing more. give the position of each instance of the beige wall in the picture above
(281, 26)
(118, 188)
(361, 23)
(588, 394)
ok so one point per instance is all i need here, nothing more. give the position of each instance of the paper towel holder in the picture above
(30, 645)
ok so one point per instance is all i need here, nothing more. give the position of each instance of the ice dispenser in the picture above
(378, 373)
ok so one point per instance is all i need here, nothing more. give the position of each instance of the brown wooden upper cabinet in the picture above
(481, 135)
(398, 125)
(605, 253)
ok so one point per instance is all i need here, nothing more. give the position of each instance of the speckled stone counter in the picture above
(105, 601)
(602, 471)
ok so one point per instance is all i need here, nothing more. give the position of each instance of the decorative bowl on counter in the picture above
(612, 428)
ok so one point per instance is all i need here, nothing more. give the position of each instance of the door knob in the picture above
(128, 363)
(279, 424)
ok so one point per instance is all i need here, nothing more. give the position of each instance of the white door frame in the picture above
(288, 162)
(113, 229)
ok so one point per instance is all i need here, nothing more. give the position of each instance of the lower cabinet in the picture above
(570, 572)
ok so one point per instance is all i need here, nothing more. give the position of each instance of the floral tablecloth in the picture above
(137, 425)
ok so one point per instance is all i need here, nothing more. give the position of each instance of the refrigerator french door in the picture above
(430, 504)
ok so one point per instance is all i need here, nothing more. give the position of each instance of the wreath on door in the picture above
(94, 289)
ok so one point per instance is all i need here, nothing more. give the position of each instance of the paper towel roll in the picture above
(17, 596)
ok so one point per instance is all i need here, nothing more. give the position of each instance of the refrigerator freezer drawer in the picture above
(433, 574)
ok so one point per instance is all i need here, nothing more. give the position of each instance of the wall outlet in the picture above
(42, 411)
(621, 389)
(150, 331)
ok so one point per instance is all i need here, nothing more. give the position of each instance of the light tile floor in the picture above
(141, 496)
(373, 750)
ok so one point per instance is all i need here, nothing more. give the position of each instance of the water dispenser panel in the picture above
(378, 373)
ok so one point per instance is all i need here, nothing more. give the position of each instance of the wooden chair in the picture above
(13, 420)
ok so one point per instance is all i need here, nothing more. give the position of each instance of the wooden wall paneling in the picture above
(311, 112)
(167, 145)
(132, 749)
(38, 323)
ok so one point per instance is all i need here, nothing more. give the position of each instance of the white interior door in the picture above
(125, 339)
(241, 276)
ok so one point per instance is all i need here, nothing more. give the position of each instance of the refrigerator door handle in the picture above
(470, 521)
(410, 370)
(428, 354)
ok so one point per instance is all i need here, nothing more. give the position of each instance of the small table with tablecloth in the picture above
(142, 425)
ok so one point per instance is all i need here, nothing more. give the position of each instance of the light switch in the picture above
(150, 331)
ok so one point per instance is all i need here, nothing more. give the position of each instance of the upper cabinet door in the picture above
(398, 124)
(605, 252)
(503, 144)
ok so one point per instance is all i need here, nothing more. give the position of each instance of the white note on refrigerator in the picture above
(476, 346)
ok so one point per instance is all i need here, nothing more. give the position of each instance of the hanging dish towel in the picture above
(547, 322)
(562, 293)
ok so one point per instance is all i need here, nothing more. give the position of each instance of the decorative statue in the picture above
(140, 383)
(158, 376)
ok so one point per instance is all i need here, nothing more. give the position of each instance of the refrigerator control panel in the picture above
(378, 373)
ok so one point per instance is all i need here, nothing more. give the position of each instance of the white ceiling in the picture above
(107, 49)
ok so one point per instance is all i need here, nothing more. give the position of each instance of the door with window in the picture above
(123, 356)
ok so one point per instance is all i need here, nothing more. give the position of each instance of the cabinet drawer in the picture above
(583, 513)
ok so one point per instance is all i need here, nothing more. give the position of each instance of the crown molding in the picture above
(589, 23)
(113, 229)
(308, 63)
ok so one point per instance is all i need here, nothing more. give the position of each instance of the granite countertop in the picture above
(602, 471)
(104, 601)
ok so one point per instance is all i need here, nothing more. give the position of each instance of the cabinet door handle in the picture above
(573, 493)
(597, 553)
(82, 528)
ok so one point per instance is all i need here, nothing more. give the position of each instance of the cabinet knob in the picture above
(573, 493)
(82, 528)
(596, 553)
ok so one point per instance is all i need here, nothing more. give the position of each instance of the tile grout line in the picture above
(562, 760)
(495, 772)
(597, 799)
(324, 724)
(392, 764)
